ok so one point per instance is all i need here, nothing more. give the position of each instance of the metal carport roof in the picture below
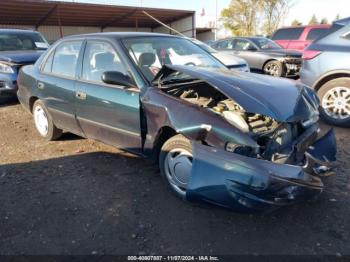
(40, 12)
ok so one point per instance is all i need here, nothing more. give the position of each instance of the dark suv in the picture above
(17, 48)
(326, 69)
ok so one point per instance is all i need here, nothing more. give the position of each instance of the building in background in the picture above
(55, 19)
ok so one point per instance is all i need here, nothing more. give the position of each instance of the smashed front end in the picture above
(256, 145)
(292, 65)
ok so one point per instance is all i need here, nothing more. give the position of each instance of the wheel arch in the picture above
(164, 133)
(32, 100)
(326, 78)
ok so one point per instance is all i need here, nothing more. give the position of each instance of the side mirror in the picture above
(117, 78)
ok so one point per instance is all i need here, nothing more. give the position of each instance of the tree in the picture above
(324, 21)
(337, 17)
(274, 11)
(241, 17)
(313, 20)
(245, 17)
(296, 22)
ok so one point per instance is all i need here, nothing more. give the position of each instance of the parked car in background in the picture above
(230, 61)
(17, 48)
(220, 136)
(262, 55)
(326, 68)
(299, 37)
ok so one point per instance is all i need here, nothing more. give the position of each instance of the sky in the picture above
(301, 10)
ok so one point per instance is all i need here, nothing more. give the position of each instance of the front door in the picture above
(108, 113)
(246, 50)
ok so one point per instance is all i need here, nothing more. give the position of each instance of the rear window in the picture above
(288, 33)
(316, 33)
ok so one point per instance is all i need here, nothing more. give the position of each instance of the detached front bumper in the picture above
(248, 184)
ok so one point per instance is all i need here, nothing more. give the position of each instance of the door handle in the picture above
(41, 85)
(80, 95)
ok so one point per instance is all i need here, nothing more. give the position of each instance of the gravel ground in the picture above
(78, 196)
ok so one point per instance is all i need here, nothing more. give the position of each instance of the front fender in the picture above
(193, 122)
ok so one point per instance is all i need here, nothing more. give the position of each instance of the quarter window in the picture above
(316, 33)
(65, 59)
(98, 58)
(48, 63)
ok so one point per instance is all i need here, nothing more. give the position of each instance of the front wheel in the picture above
(273, 68)
(43, 122)
(175, 163)
(335, 101)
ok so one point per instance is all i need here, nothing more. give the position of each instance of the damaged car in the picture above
(237, 140)
(263, 55)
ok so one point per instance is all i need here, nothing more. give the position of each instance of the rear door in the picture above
(108, 113)
(56, 84)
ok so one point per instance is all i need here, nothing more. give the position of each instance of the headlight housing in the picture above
(6, 68)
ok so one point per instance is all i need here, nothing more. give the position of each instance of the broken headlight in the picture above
(240, 149)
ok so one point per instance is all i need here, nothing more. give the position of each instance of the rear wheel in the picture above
(273, 68)
(175, 163)
(43, 122)
(335, 101)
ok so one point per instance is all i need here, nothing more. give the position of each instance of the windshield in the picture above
(264, 43)
(11, 41)
(151, 53)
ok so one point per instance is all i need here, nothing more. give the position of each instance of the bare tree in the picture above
(241, 17)
(245, 17)
(274, 11)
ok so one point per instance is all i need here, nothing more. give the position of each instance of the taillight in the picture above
(310, 54)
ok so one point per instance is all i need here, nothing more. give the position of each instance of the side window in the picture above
(48, 63)
(316, 33)
(65, 58)
(225, 44)
(288, 33)
(242, 44)
(98, 58)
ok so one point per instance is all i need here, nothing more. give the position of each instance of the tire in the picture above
(335, 102)
(175, 164)
(43, 122)
(274, 68)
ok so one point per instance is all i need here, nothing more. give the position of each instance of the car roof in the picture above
(15, 30)
(119, 35)
(344, 21)
(305, 26)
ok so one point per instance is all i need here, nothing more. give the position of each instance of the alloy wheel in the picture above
(336, 102)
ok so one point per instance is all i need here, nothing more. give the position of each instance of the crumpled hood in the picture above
(283, 100)
(20, 57)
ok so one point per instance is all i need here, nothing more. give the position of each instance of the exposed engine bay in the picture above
(275, 139)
